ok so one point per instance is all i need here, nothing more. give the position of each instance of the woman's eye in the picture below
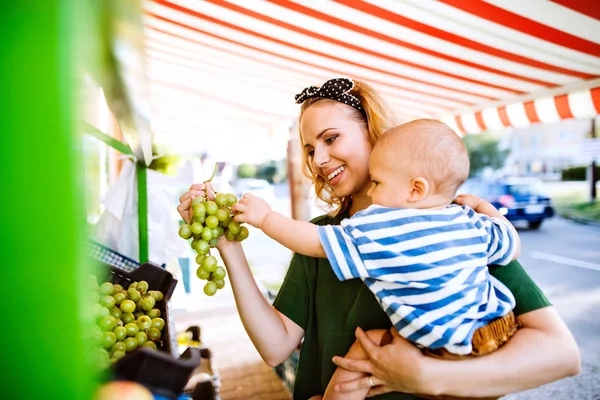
(310, 153)
(331, 139)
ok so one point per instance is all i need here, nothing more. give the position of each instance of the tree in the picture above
(484, 152)
(246, 171)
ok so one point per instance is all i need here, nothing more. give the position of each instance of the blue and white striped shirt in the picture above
(427, 268)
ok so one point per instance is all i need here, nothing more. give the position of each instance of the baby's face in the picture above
(390, 183)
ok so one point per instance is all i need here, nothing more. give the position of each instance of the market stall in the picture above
(185, 71)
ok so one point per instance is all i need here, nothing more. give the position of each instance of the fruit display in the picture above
(125, 318)
(211, 219)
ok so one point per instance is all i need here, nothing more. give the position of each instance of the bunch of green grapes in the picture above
(125, 319)
(211, 220)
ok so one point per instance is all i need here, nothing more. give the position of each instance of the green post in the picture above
(142, 211)
(41, 207)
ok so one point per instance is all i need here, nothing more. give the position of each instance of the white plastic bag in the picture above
(117, 227)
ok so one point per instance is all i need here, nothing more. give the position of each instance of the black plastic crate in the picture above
(162, 371)
(158, 279)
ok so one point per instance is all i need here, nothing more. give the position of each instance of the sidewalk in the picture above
(243, 373)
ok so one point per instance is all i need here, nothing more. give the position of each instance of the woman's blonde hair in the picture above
(378, 119)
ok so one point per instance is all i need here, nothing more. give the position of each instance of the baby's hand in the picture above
(251, 209)
(468, 200)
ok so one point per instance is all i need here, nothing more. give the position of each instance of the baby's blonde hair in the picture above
(430, 149)
(376, 116)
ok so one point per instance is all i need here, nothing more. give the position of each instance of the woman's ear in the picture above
(419, 187)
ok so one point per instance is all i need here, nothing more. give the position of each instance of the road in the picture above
(564, 259)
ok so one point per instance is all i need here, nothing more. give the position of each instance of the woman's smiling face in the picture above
(337, 147)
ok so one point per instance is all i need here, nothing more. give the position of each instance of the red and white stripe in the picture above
(447, 59)
(578, 104)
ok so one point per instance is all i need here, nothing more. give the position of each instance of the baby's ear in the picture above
(419, 187)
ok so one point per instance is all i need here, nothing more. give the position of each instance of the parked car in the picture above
(258, 187)
(519, 199)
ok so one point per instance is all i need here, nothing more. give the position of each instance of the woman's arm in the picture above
(542, 351)
(274, 335)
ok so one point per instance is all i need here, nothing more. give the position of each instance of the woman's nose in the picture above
(321, 157)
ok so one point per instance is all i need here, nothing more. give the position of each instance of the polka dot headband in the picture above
(335, 89)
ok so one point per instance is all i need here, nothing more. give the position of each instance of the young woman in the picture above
(338, 135)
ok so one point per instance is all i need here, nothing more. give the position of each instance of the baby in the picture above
(422, 252)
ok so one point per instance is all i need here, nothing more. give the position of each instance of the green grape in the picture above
(197, 200)
(118, 346)
(218, 232)
(116, 289)
(211, 207)
(220, 283)
(127, 306)
(120, 332)
(221, 199)
(142, 286)
(243, 233)
(200, 220)
(212, 243)
(222, 214)
(141, 338)
(131, 344)
(154, 334)
(156, 294)
(185, 231)
(195, 243)
(201, 273)
(154, 313)
(132, 329)
(144, 322)
(199, 259)
(234, 227)
(117, 355)
(230, 235)
(207, 234)
(119, 297)
(108, 339)
(106, 288)
(197, 228)
(150, 345)
(202, 247)
(107, 301)
(134, 295)
(127, 317)
(138, 314)
(231, 199)
(199, 210)
(212, 221)
(107, 323)
(219, 273)
(116, 312)
(133, 285)
(210, 288)
(158, 323)
(225, 224)
(209, 263)
(148, 303)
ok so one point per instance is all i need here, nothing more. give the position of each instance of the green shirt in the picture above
(329, 311)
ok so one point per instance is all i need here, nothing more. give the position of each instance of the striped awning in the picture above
(476, 65)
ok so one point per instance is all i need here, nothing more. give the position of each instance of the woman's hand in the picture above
(185, 210)
(185, 201)
(395, 367)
